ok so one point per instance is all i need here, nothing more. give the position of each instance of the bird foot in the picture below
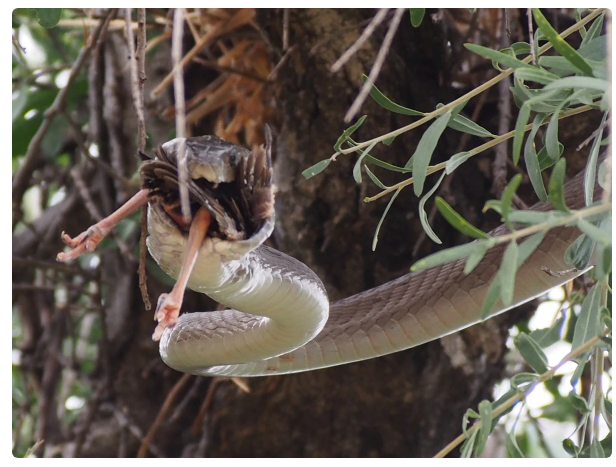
(167, 312)
(85, 242)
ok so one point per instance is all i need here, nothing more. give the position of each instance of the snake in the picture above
(278, 318)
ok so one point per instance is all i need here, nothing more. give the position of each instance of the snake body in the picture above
(281, 321)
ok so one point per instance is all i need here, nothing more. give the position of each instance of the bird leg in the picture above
(168, 308)
(88, 241)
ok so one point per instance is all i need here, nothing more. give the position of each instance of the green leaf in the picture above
(591, 166)
(48, 17)
(507, 199)
(593, 32)
(545, 161)
(570, 447)
(556, 186)
(386, 103)
(528, 246)
(579, 252)
(375, 240)
(348, 132)
(457, 221)
(532, 161)
(589, 321)
(374, 178)
(520, 381)
(548, 336)
(465, 125)
(456, 161)
(445, 256)
(578, 402)
(574, 82)
(357, 166)
(536, 75)
(531, 352)
(560, 45)
(467, 448)
(499, 57)
(596, 450)
(425, 149)
(475, 257)
(492, 296)
(316, 168)
(417, 15)
(385, 165)
(513, 450)
(519, 130)
(423, 216)
(594, 232)
(485, 415)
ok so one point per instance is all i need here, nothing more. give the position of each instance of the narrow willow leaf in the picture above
(445, 256)
(578, 402)
(374, 178)
(425, 149)
(493, 204)
(606, 411)
(518, 136)
(385, 165)
(475, 257)
(536, 75)
(348, 132)
(497, 56)
(531, 352)
(594, 232)
(485, 415)
(604, 265)
(532, 161)
(375, 240)
(559, 43)
(602, 174)
(357, 166)
(457, 221)
(556, 186)
(545, 161)
(570, 447)
(521, 48)
(467, 448)
(593, 32)
(573, 82)
(520, 381)
(386, 103)
(388, 141)
(548, 336)
(506, 273)
(316, 168)
(590, 172)
(551, 135)
(579, 252)
(456, 161)
(492, 296)
(596, 450)
(500, 401)
(423, 215)
(527, 217)
(48, 17)
(513, 450)
(529, 245)
(507, 199)
(588, 324)
(465, 125)
(417, 15)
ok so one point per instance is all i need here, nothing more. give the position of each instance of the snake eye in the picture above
(232, 160)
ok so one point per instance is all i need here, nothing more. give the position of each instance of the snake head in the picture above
(233, 183)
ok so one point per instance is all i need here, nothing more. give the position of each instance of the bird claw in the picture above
(85, 242)
(167, 312)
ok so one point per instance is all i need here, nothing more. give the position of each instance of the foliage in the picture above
(574, 81)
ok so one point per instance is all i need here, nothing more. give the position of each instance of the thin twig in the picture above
(531, 40)
(285, 29)
(594, 134)
(180, 109)
(376, 68)
(207, 402)
(162, 412)
(365, 35)
(31, 159)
